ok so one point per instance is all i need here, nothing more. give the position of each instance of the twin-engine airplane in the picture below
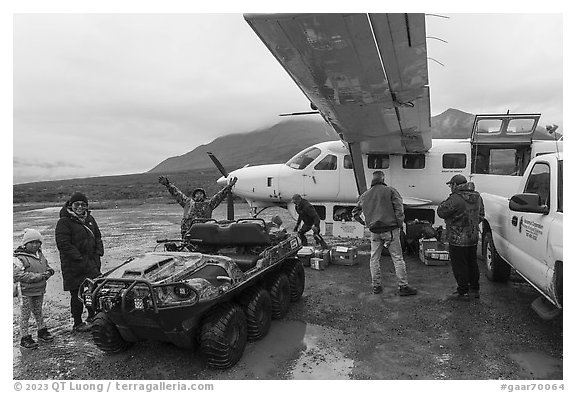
(367, 75)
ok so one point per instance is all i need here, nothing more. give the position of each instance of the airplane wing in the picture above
(366, 73)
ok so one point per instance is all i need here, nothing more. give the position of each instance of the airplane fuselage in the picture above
(323, 175)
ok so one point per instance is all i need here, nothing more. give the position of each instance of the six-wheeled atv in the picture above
(218, 288)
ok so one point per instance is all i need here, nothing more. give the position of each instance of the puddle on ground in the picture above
(321, 360)
(539, 365)
(313, 347)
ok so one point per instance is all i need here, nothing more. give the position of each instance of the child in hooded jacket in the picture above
(31, 270)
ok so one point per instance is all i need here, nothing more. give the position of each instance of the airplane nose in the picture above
(222, 181)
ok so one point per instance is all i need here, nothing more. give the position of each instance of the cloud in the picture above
(119, 93)
(22, 163)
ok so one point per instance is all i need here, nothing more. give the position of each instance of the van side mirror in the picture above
(528, 203)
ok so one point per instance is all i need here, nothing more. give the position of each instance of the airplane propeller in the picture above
(224, 172)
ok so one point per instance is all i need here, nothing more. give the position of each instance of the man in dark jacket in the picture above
(463, 211)
(308, 216)
(384, 216)
(197, 206)
(80, 245)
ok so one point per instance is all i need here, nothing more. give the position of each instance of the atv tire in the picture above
(106, 336)
(297, 279)
(257, 307)
(223, 336)
(280, 295)
(496, 268)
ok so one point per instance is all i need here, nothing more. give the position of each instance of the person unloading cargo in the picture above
(310, 219)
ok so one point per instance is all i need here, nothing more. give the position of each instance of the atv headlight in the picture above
(175, 295)
(85, 292)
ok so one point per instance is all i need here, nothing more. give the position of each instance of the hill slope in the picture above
(268, 146)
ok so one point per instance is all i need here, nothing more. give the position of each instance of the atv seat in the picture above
(230, 235)
(244, 261)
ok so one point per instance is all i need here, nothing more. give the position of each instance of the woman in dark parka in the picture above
(79, 241)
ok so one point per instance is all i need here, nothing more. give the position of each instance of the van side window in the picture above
(378, 161)
(413, 161)
(454, 161)
(539, 182)
(328, 163)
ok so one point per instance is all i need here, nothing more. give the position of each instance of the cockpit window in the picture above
(302, 160)
(328, 163)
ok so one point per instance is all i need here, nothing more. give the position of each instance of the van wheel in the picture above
(223, 336)
(496, 268)
(280, 296)
(106, 336)
(257, 307)
(296, 278)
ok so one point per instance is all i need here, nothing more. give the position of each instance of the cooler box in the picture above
(433, 253)
(342, 255)
(305, 254)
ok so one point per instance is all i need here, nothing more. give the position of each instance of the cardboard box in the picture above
(350, 229)
(318, 263)
(305, 254)
(343, 255)
(433, 252)
(323, 254)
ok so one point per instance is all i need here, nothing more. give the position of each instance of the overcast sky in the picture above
(106, 94)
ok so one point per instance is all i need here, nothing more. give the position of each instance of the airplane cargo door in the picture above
(412, 177)
(322, 180)
(501, 147)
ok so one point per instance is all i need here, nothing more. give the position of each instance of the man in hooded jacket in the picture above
(80, 245)
(463, 211)
(197, 206)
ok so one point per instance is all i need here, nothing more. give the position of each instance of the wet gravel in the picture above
(338, 329)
